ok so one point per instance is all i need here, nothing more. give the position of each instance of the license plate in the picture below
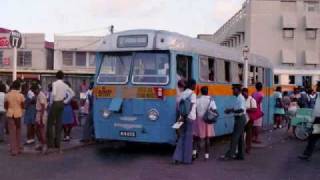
(127, 133)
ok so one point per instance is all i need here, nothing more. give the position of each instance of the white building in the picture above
(75, 53)
(284, 31)
(75, 56)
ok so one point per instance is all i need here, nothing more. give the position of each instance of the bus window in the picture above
(227, 71)
(151, 68)
(260, 73)
(184, 67)
(115, 69)
(207, 69)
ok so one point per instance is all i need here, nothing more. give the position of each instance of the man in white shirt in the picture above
(183, 151)
(59, 95)
(315, 135)
(237, 139)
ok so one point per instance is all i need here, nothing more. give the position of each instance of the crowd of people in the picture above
(287, 104)
(195, 130)
(248, 114)
(49, 114)
(45, 113)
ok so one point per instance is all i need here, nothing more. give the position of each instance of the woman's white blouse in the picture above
(202, 105)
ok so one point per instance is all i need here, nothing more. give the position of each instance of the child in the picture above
(292, 110)
(279, 110)
(41, 117)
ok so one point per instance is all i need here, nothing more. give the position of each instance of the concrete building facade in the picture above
(284, 31)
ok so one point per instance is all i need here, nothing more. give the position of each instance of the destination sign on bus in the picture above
(132, 41)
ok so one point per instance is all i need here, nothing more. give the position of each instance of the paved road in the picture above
(276, 161)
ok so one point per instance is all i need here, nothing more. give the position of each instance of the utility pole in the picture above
(15, 42)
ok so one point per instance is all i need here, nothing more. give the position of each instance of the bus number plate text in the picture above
(127, 134)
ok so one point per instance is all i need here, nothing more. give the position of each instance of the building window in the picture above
(81, 58)
(276, 79)
(207, 69)
(311, 6)
(292, 79)
(67, 58)
(311, 33)
(288, 33)
(92, 59)
(24, 58)
(227, 71)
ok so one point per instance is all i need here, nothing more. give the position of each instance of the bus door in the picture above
(184, 67)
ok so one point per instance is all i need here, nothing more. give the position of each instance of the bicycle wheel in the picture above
(301, 132)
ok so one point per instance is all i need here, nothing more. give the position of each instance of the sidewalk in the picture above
(74, 143)
(268, 137)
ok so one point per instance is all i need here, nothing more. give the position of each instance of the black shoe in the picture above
(225, 158)
(194, 157)
(240, 158)
(304, 157)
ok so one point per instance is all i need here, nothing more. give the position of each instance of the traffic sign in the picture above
(15, 39)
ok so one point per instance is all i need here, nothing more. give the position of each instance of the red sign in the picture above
(4, 42)
(6, 61)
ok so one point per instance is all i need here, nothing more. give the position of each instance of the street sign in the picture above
(15, 39)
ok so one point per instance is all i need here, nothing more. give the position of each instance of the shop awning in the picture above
(288, 56)
(289, 20)
(311, 58)
(312, 21)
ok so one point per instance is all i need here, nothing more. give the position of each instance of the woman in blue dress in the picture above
(30, 114)
(67, 116)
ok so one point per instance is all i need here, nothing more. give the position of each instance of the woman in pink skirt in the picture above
(201, 130)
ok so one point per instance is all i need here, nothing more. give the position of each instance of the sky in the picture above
(93, 17)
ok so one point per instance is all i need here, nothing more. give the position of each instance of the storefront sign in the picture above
(4, 42)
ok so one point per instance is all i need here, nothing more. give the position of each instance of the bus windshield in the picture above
(115, 69)
(151, 68)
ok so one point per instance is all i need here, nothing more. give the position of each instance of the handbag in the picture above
(256, 114)
(210, 117)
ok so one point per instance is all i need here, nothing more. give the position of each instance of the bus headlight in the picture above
(105, 113)
(153, 115)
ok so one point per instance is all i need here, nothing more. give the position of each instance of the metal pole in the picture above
(14, 64)
(245, 81)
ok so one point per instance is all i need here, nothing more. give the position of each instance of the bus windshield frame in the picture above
(116, 72)
(158, 68)
(140, 67)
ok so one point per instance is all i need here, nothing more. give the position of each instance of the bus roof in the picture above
(165, 40)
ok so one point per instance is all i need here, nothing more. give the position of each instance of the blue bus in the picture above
(136, 82)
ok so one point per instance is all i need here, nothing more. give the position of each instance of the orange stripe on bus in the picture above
(169, 92)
